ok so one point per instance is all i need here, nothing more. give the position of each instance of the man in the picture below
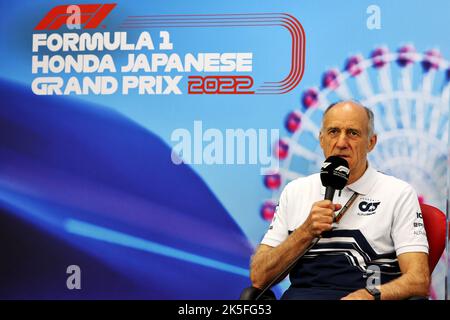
(378, 236)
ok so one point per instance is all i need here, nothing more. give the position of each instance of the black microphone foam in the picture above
(334, 175)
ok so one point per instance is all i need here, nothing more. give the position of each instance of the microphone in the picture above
(334, 175)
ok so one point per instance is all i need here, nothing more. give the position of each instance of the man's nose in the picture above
(342, 141)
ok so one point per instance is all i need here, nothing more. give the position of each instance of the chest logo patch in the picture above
(368, 207)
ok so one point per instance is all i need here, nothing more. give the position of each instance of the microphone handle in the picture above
(329, 193)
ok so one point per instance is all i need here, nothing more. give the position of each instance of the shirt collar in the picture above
(363, 184)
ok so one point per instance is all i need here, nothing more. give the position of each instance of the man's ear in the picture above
(372, 142)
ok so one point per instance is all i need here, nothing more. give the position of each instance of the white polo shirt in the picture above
(383, 222)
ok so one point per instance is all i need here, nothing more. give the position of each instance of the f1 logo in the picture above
(326, 164)
(91, 15)
(342, 169)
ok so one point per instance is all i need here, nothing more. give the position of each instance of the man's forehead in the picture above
(345, 116)
(343, 124)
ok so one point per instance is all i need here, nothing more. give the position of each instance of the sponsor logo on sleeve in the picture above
(418, 225)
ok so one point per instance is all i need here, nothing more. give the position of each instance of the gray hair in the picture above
(370, 115)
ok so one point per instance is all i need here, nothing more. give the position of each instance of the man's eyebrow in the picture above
(353, 129)
(346, 129)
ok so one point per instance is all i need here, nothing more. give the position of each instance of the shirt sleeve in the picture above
(278, 229)
(408, 231)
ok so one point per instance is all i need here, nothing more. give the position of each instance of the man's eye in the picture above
(354, 133)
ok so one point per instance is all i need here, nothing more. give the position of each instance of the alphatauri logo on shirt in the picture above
(368, 207)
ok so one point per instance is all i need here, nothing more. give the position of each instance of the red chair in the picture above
(435, 227)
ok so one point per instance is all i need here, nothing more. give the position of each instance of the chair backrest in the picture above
(435, 227)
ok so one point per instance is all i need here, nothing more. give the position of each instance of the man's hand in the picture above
(320, 218)
(361, 294)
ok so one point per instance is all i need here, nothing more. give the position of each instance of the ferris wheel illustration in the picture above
(408, 92)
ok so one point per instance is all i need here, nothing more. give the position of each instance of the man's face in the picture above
(345, 134)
